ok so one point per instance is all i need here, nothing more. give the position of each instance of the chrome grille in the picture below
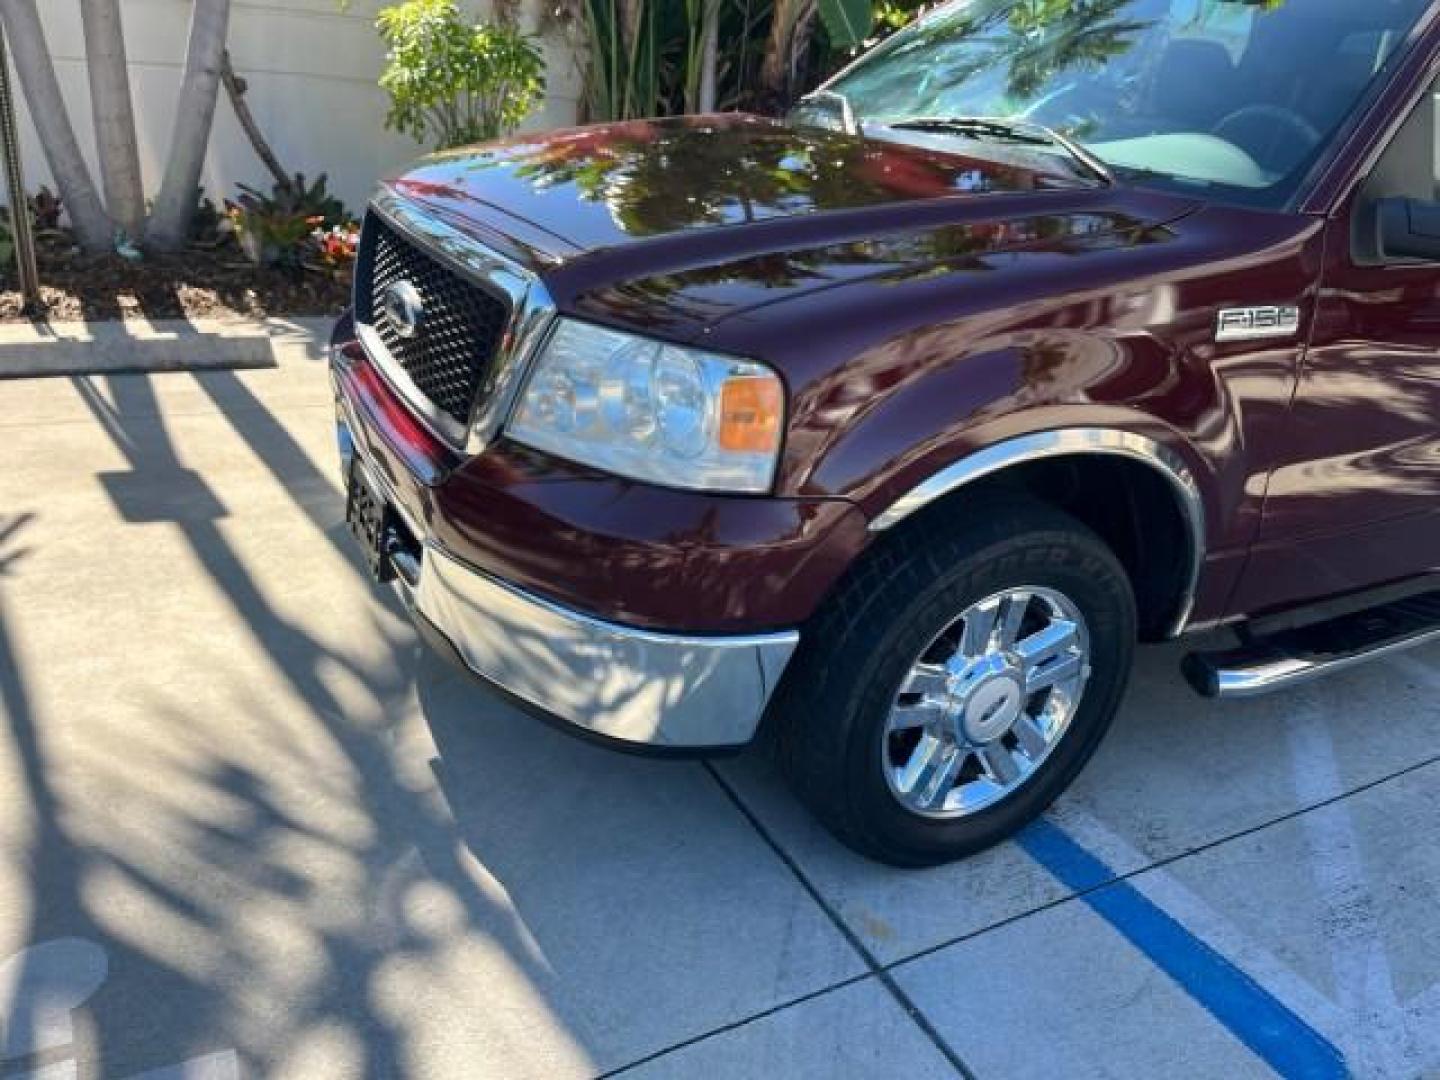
(449, 357)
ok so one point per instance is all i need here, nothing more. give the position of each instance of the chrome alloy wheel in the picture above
(986, 702)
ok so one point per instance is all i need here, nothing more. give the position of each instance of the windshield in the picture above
(1224, 94)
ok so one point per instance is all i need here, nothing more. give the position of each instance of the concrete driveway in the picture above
(248, 827)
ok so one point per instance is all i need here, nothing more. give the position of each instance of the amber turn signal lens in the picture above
(750, 415)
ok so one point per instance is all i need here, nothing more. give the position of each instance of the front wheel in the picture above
(958, 682)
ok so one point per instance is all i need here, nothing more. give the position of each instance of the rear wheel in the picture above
(958, 682)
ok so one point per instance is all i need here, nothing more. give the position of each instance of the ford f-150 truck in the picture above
(890, 428)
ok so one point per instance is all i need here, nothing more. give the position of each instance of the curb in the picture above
(38, 350)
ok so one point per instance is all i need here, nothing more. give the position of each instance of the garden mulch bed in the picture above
(196, 284)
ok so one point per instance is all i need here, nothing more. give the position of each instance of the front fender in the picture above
(1132, 397)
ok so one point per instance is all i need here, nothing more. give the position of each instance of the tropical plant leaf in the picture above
(847, 22)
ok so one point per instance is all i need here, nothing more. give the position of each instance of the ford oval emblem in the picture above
(404, 308)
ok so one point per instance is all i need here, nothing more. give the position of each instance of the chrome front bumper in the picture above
(621, 683)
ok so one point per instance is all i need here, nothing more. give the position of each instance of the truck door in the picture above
(1355, 499)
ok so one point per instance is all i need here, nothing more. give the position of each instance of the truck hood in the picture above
(593, 189)
(673, 226)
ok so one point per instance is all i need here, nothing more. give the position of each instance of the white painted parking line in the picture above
(1374, 1025)
(40, 989)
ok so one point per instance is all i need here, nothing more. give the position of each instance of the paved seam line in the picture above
(734, 1025)
(158, 418)
(1254, 1016)
(1160, 864)
(877, 969)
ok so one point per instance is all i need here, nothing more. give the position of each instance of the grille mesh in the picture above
(449, 359)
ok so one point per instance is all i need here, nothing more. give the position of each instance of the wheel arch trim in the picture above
(1071, 442)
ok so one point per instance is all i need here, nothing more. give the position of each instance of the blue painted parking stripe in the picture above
(1259, 1020)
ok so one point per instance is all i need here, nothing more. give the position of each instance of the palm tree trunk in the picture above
(114, 114)
(777, 47)
(93, 227)
(791, 29)
(195, 115)
(638, 91)
(709, 56)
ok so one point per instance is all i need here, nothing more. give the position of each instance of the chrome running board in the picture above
(1279, 661)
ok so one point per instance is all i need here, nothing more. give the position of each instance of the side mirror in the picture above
(1408, 229)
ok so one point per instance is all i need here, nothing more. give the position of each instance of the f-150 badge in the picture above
(1250, 323)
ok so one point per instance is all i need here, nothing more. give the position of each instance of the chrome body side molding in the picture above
(532, 312)
(1071, 442)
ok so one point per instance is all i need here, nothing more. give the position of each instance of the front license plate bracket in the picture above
(371, 520)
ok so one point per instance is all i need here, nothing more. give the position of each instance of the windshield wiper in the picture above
(1026, 132)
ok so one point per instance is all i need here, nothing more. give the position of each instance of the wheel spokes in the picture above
(922, 714)
(925, 680)
(999, 763)
(1032, 740)
(1012, 615)
(979, 629)
(1054, 671)
(994, 624)
(1056, 637)
(930, 773)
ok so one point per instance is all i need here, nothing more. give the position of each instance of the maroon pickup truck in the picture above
(891, 428)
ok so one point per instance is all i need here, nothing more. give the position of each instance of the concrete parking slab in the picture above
(289, 835)
(857, 1032)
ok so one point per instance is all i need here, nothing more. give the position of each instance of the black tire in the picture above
(833, 704)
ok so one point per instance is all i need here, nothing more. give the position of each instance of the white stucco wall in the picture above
(311, 70)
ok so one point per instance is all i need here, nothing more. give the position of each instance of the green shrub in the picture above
(451, 82)
(309, 200)
(277, 229)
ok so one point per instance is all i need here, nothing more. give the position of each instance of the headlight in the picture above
(652, 411)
